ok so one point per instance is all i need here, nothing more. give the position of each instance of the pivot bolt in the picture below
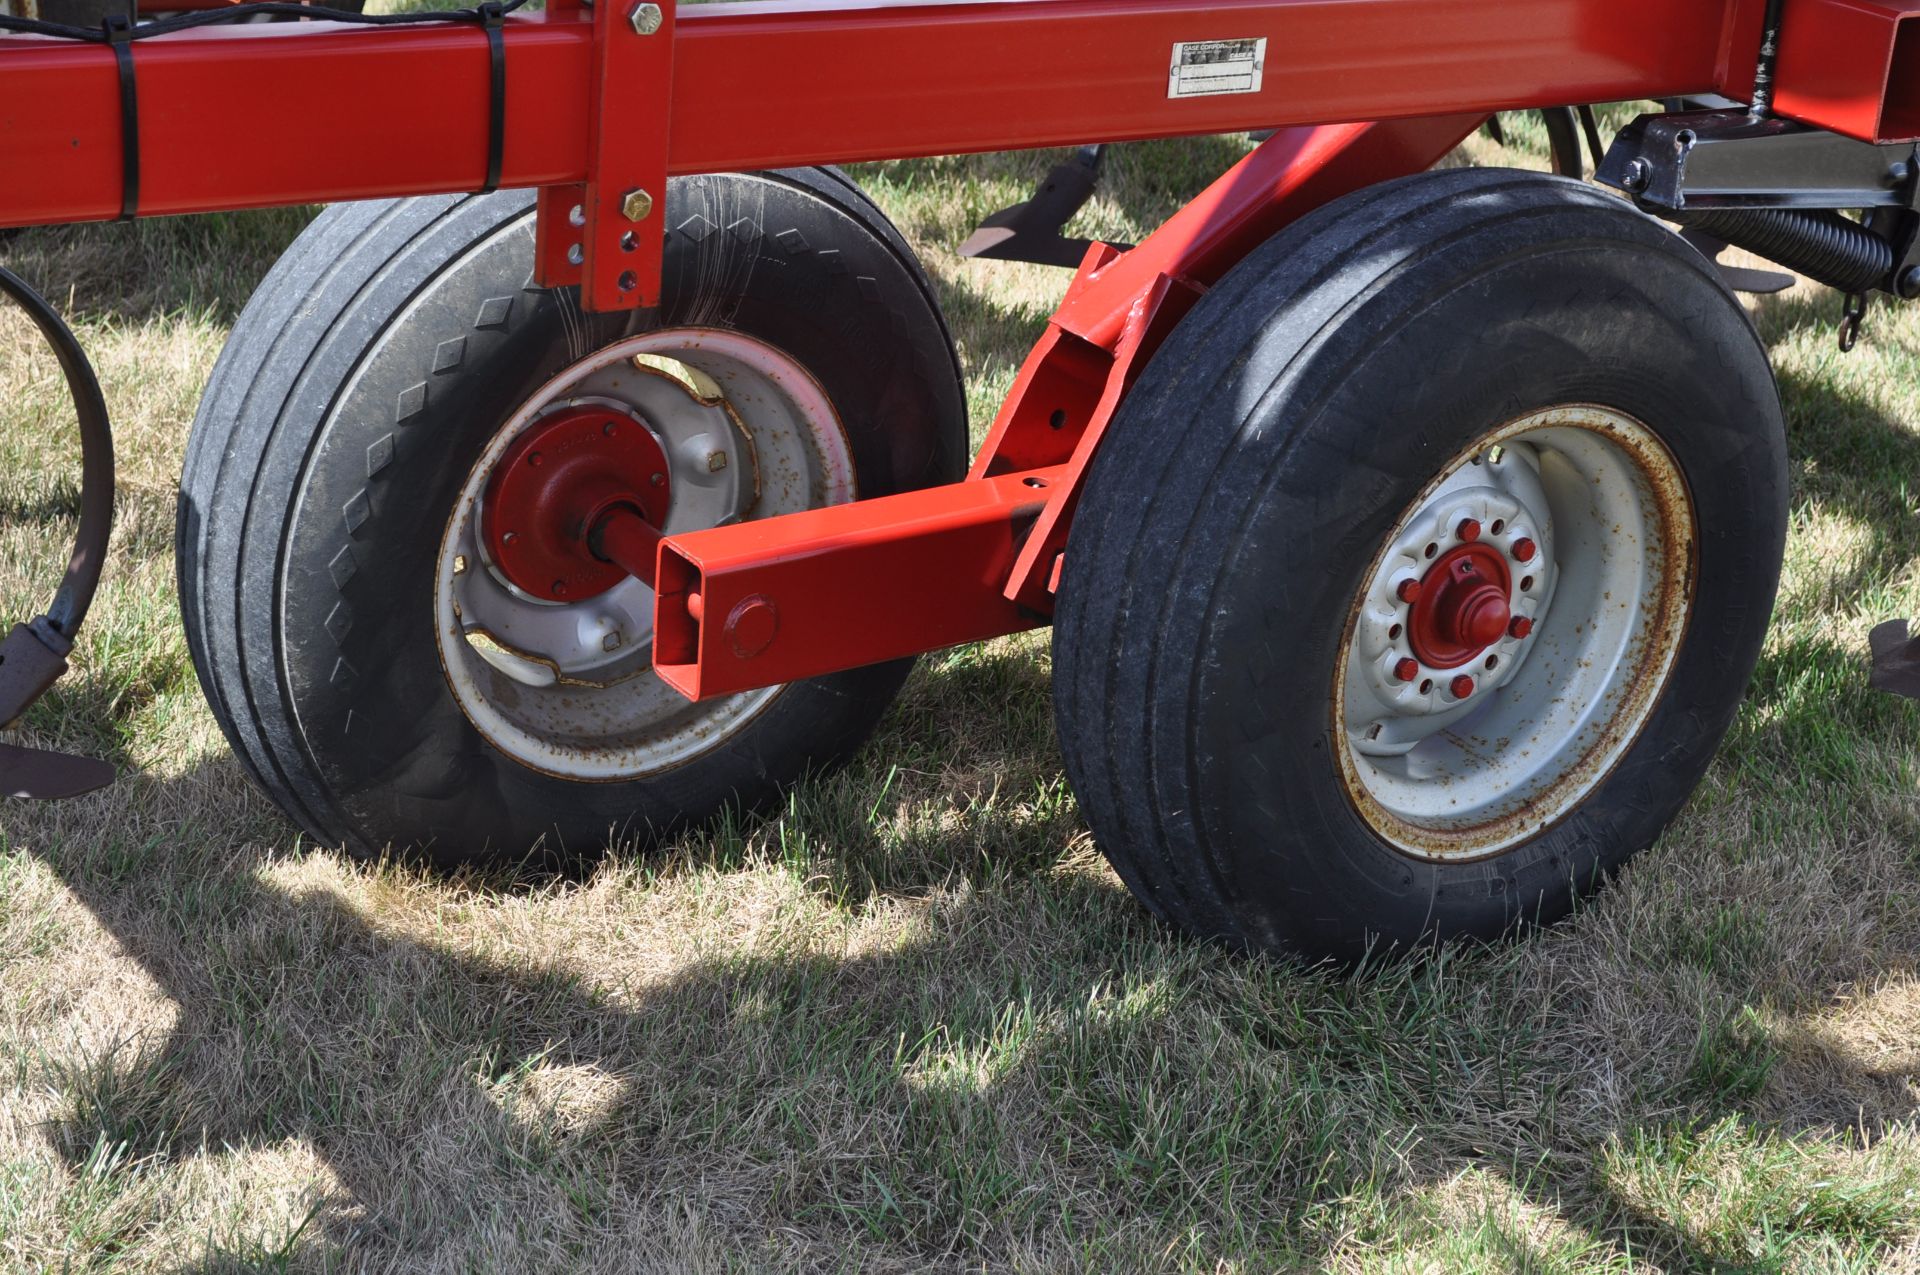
(1469, 529)
(1638, 174)
(1523, 549)
(1461, 686)
(1409, 591)
(646, 18)
(1520, 627)
(1406, 668)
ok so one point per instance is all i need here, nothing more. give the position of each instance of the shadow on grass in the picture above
(1031, 1071)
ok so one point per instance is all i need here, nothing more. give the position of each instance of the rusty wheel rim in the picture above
(1460, 738)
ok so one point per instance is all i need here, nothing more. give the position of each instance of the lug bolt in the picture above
(1461, 686)
(1520, 627)
(1469, 529)
(1409, 591)
(1523, 549)
(1406, 668)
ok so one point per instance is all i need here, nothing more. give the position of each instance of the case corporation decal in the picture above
(1205, 68)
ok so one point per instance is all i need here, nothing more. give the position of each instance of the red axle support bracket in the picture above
(1120, 307)
(609, 235)
(759, 603)
(796, 596)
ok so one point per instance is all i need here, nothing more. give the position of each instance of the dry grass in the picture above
(914, 1022)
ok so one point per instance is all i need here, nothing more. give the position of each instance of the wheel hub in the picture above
(1461, 608)
(555, 481)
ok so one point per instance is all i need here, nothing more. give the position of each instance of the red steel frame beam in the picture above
(403, 111)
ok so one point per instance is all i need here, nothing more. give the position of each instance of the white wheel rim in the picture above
(1549, 714)
(568, 688)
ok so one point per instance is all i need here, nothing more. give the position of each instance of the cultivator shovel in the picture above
(34, 655)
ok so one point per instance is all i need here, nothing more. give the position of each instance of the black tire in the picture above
(358, 388)
(1252, 476)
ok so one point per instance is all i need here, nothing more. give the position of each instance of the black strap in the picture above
(493, 18)
(120, 38)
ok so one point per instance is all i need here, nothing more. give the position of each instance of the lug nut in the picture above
(1406, 668)
(1520, 627)
(1461, 686)
(1523, 549)
(1469, 529)
(1409, 591)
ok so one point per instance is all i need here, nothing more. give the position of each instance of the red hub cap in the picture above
(550, 487)
(1461, 608)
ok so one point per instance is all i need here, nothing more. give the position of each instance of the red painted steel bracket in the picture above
(759, 603)
(1121, 306)
(608, 235)
(1851, 66)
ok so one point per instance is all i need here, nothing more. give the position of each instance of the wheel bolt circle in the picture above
(1520, 627)
(1469, 529)
(1461, 686)
(1523, 549)
(1409, 591)
(1406, 668)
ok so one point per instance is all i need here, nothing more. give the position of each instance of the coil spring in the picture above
(1822, 245)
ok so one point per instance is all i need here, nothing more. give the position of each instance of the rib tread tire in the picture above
(350, 281)
(1186, 466)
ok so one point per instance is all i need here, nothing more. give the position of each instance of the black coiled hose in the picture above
(1821, 244)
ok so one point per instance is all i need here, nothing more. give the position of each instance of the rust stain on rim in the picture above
(1646, 662)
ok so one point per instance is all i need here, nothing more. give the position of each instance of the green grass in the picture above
(912, 1021)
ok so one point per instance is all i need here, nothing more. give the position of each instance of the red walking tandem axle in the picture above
(600, 458)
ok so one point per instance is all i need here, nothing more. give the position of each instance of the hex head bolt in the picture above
(1408, 591)
(1520, 627)
(1406, 668)
(1461, 686)
(1469, 529)
(1524, 549)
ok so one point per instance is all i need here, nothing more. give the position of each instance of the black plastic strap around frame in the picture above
(493, 18)
(119, 32)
